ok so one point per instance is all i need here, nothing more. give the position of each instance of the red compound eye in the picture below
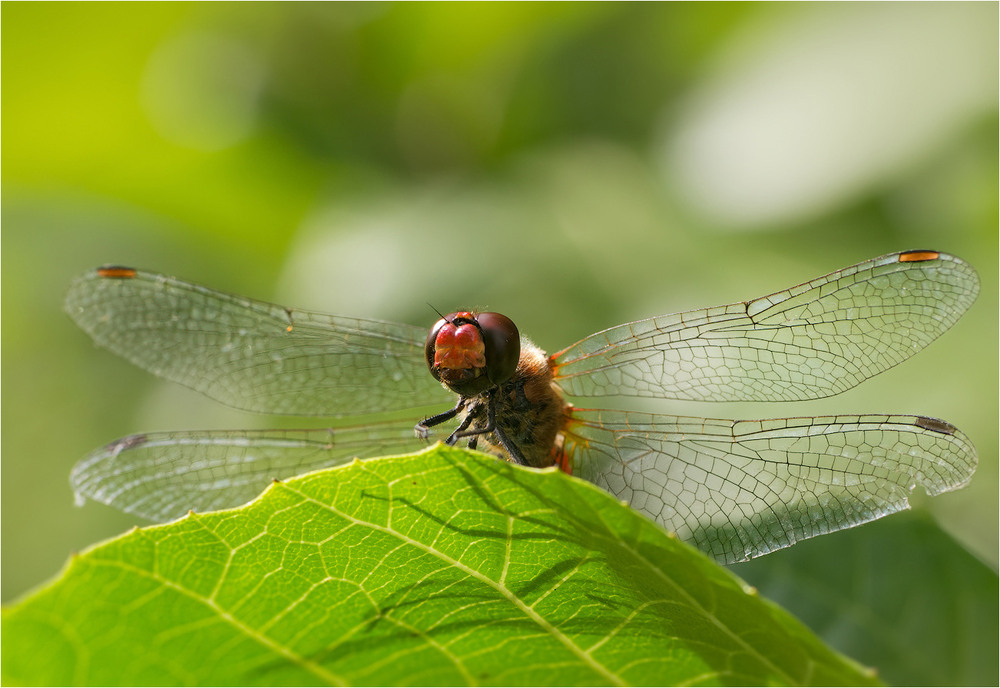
(472, 352)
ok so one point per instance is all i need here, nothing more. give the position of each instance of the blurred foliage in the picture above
(556, 162)
(938, 629)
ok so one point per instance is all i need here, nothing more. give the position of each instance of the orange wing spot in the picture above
(564, 453)
(116, 272)
(288, 329)
(918, 256)
(568, 442)
(554, 365)
(564, 460)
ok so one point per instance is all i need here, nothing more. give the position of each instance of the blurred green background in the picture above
(572, 165)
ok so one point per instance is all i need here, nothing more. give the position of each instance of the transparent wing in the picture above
(161, 476)
(739, 489)
(253, 355)
(814, 340)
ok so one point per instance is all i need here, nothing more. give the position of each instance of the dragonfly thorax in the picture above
(529, 412)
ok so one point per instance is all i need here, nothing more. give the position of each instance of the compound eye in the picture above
(430, 346)
(472, 353)
(503, 346)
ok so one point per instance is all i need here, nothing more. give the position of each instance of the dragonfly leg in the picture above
(422, 429)
(491, 426)
(512, 449)
(459, 431)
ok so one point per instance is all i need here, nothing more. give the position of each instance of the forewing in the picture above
(814, 340)
(250, 354)
(162, 476)
(739, 489)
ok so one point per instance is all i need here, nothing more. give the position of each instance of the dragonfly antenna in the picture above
(440, 314)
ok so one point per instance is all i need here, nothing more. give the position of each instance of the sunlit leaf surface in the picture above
(443, 567)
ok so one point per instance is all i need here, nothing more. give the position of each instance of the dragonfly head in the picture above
(472, 352)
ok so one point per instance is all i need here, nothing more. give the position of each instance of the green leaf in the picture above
(444, 567)
(899, 594)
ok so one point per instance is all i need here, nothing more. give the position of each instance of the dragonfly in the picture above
(736, 489)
